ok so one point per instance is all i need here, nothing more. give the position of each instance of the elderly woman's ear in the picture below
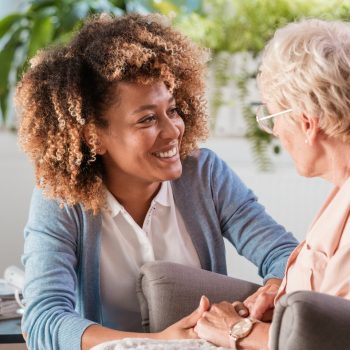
(310, 127)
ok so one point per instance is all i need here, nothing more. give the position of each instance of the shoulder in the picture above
(201, 156)
(205, 164)
(205, 172)
(40, 199)
(46, 209)
(201, 159)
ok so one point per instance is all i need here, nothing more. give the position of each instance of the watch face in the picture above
(242, 328)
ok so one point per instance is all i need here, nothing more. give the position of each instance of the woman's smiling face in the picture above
(142, 142)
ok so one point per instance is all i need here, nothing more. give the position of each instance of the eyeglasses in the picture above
(265, 120)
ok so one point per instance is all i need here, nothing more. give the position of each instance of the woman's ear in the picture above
(93, 138)
(309, 125)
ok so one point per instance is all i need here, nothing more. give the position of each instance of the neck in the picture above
(140, 193)
(134, 196)
(336, 162)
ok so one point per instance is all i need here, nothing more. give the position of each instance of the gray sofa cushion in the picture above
(168, 291)
(311, 321)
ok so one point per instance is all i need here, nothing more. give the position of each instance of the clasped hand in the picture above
(212, 322)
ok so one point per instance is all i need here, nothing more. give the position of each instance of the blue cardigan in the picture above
(62, 248)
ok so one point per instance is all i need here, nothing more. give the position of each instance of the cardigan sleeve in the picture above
(245, 223)
(50, 259)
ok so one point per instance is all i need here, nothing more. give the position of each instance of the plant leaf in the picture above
(37, 6)
(41, 34)
(7, 22)
(6, 58)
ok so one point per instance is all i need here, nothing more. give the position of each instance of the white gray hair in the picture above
(306, 67)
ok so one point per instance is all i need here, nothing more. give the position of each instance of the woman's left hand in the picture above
(215, 324)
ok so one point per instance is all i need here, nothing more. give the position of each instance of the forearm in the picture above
(96, 334)
(257, 339)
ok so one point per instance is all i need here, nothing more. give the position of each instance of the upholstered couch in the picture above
(302, 320)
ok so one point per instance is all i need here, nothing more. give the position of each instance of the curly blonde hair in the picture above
(306, 67)
(68, 88)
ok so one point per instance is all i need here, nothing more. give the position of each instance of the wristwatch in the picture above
(240, 330)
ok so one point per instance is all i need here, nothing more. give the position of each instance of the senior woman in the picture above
(111, 122)
(304, 83)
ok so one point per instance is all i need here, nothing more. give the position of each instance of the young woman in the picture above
(112, 122)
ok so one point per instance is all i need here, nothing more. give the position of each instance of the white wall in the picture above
(16, 184)
(290, 199)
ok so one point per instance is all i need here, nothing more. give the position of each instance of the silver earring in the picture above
(306, 141)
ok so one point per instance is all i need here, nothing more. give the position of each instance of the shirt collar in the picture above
(162, 197)
(113, 205)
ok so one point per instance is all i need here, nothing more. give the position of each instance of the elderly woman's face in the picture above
(294, 141)
(144, 136)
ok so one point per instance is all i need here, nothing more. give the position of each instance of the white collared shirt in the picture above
(125, 247)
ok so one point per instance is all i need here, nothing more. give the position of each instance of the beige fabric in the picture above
(322, 262)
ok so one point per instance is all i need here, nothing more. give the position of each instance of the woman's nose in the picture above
(171, 127)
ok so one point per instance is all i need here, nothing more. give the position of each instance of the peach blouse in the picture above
(322, 261)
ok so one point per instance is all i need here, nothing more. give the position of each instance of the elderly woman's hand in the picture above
(215, 324)
(261, 303)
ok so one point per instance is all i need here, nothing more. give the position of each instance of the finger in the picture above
(250, 301)
(191, 334)
(253, 297)
(241, 309)
(198, 329)
(191, 320)
(249, 305)
(262, 304)
(204, 303)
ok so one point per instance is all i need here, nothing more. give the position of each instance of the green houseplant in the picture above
(39, 23)
(232, 27)
(227, 27)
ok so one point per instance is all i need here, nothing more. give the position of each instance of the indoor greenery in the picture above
(242, 28)
(39, 23)
(227, 27)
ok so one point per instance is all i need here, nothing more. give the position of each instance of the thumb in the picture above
(191, 320)
(204, 304)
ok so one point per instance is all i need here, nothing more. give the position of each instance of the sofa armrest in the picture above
(168, 291)
(312, 321)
